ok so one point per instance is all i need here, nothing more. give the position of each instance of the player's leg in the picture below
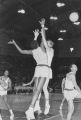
(30, 111)
(70, 109)
(61, 106)
(46, 93)
(35, 84)
(0, 110)
(4, 97)
(37, 104)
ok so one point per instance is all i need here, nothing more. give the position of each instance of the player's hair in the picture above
(34, 44)
(74, 66)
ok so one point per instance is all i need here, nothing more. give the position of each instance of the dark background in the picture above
(14, 25)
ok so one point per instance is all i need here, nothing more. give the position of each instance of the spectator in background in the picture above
(5, 85)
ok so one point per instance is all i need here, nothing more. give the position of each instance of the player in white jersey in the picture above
(50, 53)
(5, 85)
(70, 90)
(41, 71)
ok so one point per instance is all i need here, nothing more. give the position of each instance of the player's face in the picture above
(74, 68)
(6, 73)
(50, 43)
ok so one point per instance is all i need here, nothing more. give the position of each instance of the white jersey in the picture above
(43, 58)
(42, 69)
(3, 83)
(69, 92)
(40, 56)
(50, 54)
(68, 82)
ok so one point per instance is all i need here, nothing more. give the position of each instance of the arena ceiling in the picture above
(20, 26)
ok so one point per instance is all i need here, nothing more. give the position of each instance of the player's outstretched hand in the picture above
(24, 85)
(11, 42)
(36, 32)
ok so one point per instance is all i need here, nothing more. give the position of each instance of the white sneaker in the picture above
(12, 117)
(0, 117)
(47, 108)
(30, 114)
(38, 109)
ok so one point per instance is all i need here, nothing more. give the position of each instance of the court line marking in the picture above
(52, 117)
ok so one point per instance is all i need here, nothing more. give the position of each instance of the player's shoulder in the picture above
(70, 74)
(37, 49)
(50, 49)
(9, 78)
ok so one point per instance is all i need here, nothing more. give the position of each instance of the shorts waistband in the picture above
(42, 65)
(68, 89)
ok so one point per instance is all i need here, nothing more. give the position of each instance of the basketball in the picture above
(74, 16)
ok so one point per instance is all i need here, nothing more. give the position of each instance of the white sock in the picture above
(11, 112)
(31, 108)
(47, 103)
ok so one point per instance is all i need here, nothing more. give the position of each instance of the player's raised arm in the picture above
(36, 34)
(43, 34)
(19, 49)
(75, 84)
(9, 84)
(62, 85)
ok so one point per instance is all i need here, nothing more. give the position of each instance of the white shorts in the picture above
(41, 71)
(70, 95)
(3, 93)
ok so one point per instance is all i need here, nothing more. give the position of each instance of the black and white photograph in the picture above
(40, 59)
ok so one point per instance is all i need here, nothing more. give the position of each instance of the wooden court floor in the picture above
(21, 102)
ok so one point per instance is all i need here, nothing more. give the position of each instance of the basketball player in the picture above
(50, 53)
(70, 89)
(41, 72)
(48, 45)
(5, 85)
